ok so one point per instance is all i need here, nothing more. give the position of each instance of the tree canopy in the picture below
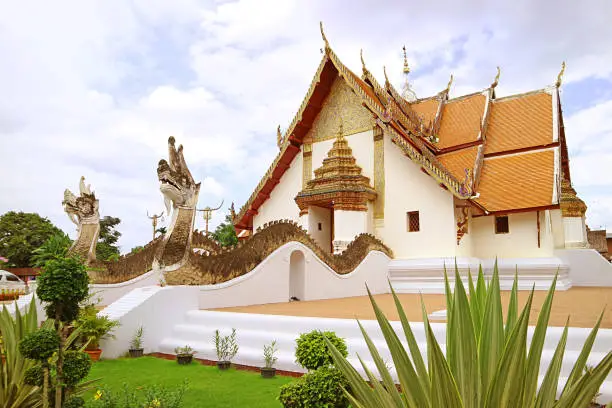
(21, 233)
(225, 234)
(109, 235)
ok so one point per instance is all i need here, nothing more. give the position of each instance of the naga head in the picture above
(84, 208)
(176, 182)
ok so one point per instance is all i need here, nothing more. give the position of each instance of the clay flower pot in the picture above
(268, 372)
(184, 359)
(135, 353)
(223, 365)
(94, 354)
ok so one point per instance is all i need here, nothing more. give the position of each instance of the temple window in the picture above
(501, 225)
(320, 227)
(413, 221)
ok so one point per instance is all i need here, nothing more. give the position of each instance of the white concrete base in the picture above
(587, 267)
(255, 330)
(427, 275)
(107, 293)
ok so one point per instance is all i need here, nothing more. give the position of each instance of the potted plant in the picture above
(268, 371)
(93, 328)
(184, 355)
(227, 348)
(136, 349)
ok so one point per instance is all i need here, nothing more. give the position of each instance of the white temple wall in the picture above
(322, 216)
(281, 204)
(407, 188)
(520, 242)
(362, 145)
(558, 233)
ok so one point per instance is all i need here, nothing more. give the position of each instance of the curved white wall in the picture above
(269, 281)
(107, 293)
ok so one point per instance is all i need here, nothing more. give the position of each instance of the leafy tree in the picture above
(225, 234)
(55, 247)
(161, 230)
(109, 235)
(136, 249)
(21, 233)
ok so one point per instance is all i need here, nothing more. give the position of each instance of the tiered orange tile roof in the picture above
(506, 143)
(461, 119)
(517, 181)
(520, 122)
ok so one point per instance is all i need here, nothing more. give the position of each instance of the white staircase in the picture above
(254, 330)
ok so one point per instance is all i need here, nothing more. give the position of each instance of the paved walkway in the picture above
(583, 306)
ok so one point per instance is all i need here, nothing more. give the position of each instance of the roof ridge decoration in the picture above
(496, 80)
(560, 76)
(407, 91)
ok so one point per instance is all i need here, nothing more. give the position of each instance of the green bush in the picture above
(76, 367)
(40, 345)
(319, 388)
(311, 351)
(74, 402)
(153, 397)
(63, 284)
(34, 376)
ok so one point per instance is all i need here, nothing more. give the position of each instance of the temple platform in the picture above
(582, 304)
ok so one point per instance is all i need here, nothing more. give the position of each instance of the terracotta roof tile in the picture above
(426, 109)
(517, 181)
(519, 122)
(461, 120)
(456, 162)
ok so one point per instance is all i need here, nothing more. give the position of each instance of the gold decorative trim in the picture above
(379, 172)
(306, 164)
(571, 205)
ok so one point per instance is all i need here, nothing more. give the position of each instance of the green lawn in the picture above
(208, 387)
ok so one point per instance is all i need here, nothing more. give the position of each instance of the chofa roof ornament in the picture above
(496, 80)
(560, 76)
(407, 92)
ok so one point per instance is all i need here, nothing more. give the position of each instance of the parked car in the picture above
(11, 281)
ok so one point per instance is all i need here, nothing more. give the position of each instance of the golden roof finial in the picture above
(323, 35)
(386, 77)
(496, 80)
(406, 67)
(450, 82)
(560, 76)
(340, 132)
(279, 137)
(363, 66)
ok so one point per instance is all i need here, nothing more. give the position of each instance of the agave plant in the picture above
(14, 393)
(486, 365)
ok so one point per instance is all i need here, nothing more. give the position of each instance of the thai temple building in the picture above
(437, 179)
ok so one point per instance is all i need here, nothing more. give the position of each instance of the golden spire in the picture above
(406, 67)
(340, 133)
(323, 35)
(386, 77)
(363, 66)
(560, 76)
(279, 137)
(496, 80)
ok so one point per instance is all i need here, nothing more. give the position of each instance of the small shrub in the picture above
(312, 352)
(152, 397)
(319, 388)
(184, 351)
(34, 376)
(74, 402)
(136, 342)
(40, 345)
(76, 367)
(269, 351)
(226, 346)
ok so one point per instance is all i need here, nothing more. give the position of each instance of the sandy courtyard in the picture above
(583, 306)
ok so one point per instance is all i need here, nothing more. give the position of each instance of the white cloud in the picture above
(96, 88)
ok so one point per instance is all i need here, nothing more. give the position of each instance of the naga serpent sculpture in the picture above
(187, 257)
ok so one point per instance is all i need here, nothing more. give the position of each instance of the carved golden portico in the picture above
(338, 187)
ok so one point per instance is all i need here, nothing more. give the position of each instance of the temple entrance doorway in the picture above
(321, 226)
(297, 275)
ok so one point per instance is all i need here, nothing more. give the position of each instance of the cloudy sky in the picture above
(95, 88)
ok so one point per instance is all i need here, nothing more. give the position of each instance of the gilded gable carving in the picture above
(342, 105)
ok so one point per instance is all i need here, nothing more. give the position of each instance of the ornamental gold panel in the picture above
(306, 164)
(379, 173)
(341, 106)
